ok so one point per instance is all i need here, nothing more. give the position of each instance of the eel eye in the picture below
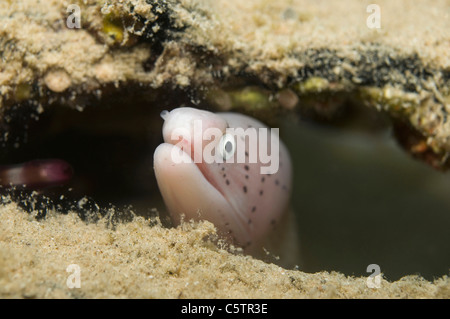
(227, 146)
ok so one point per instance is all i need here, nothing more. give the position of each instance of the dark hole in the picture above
(109, 145)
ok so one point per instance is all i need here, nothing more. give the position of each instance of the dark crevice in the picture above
(109, 145)
(374, 67)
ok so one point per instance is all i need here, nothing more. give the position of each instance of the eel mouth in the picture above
(203, 166)
(190, 147)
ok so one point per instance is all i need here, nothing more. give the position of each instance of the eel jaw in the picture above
(187, 192)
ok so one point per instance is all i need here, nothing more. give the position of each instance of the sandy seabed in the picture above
(142, 260)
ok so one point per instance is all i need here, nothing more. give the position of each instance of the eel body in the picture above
(233, 171)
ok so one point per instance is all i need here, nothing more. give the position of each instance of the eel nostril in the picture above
(164, 114)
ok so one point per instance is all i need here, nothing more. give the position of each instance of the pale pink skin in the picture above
(242, 203)
(36, 174)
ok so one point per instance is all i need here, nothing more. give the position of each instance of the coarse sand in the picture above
(140, 260)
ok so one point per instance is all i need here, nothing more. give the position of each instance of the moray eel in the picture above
(36, 174)
(209, 168)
